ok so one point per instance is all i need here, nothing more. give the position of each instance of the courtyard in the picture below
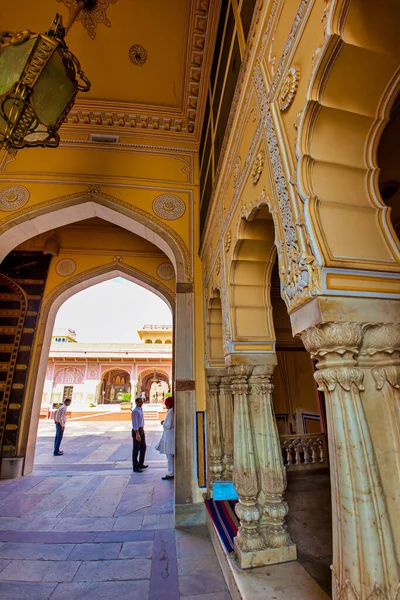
(82, 525)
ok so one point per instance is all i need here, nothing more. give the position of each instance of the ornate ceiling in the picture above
(147, 60)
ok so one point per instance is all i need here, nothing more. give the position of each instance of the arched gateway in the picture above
(260, 185)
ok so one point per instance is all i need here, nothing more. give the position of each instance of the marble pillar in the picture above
(270, 467)
(258, 473)
(215, 437)
(365, 564)
(248, 540)
(226, 393)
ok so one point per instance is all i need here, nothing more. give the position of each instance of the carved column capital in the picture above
(364, 543)
(240, 371)
(380, 352)
(213, 383)
(333, 338)
(226, 383)
(380, 337)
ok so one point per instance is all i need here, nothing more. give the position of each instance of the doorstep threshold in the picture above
(285, 581)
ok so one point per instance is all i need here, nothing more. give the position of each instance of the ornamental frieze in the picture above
(299, 271)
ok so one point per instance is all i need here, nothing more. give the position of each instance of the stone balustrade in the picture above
(304, 451)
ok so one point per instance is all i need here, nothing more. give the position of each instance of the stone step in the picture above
(150, 415)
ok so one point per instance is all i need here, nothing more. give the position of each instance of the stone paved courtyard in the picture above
(83, 526)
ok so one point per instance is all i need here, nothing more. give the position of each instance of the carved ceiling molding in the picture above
(91, 18)
(146, 118)
(131, 120)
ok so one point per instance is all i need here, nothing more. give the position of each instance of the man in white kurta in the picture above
(167, 443)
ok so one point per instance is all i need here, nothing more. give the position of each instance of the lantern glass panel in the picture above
(53, 91)
(13, 59)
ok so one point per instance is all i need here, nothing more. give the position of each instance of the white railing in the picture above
(304, 451)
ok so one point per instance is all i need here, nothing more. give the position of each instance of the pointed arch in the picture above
(50, 307)
(31, 221)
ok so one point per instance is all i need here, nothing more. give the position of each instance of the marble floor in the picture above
(83, 526)
(310, 523)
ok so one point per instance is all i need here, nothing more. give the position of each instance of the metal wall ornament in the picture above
(289, 88)
(39, 81)
(13, 197)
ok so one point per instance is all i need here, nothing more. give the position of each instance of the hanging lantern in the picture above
(39, 80)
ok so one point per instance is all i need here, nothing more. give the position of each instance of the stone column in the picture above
(248, 540)
(272, 473)
(215, 428)
(226, 390)
(364, 554)
(379, 360)
(186, 511)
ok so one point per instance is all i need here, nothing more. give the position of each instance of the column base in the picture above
(11, 468)
(268, 556)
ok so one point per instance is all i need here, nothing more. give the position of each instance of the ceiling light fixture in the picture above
(39, 80)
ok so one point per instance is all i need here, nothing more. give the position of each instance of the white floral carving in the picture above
(169, 207)
(66, 267)
(258, 166)
(289, 88)
(236, 171)
(299, 271)
(13, 197)
(166, 271)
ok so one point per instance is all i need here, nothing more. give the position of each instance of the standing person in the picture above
(60, 417)
(167, 443)
(139, 438)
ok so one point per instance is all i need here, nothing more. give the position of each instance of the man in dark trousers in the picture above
(60, 417)
(139, 438)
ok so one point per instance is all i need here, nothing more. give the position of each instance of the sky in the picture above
(112, 311)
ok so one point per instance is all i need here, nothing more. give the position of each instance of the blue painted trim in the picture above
(203, 434)
(224, 490)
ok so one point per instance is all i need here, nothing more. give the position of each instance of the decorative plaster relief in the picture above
(91, 18)
(66, 267)
(118, 259)
(169, 207)
(218, 265)
(166, 271)
(228, 241)
(138, 55)
(236, 171)
(257, 168)
(325, 15)
(13, 197)
(289, 88)
(299, 271)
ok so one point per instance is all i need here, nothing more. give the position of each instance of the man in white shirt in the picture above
(139, 438)
(60, 417)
